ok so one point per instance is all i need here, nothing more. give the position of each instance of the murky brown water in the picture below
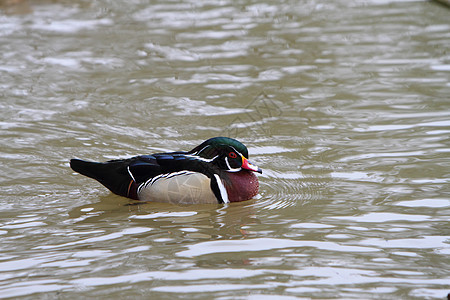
(344, 104)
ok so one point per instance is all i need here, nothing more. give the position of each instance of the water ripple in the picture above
(344, 106)
(263, 244)
(101, 238)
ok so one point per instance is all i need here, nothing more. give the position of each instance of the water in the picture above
(343, 104)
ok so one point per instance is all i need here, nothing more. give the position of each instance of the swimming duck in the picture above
(216, 171)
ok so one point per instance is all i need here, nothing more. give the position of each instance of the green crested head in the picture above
(212, 146)
(227, 153)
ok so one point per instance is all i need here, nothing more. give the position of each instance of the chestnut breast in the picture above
(241, 186)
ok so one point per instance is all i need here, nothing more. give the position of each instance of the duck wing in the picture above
(117, 175)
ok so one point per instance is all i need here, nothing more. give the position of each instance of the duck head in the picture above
(228, 154)
(236, 172)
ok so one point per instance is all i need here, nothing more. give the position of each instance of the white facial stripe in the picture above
(201, 158)
(228, 164)
(230, 169)
(201, 149)
(222, 189)
(237, 151)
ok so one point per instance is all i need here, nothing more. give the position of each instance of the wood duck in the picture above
(216, 171)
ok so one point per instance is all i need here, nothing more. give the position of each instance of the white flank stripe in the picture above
(222, 189)
(129, 172)
(161, 176)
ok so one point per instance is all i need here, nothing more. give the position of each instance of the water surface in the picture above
(344, 106)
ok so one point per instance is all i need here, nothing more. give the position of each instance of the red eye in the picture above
(232, 155)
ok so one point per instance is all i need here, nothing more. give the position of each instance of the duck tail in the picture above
(112, 174)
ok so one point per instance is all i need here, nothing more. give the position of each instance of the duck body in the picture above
(217, 171)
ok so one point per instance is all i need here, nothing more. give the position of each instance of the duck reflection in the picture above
(198, 221)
